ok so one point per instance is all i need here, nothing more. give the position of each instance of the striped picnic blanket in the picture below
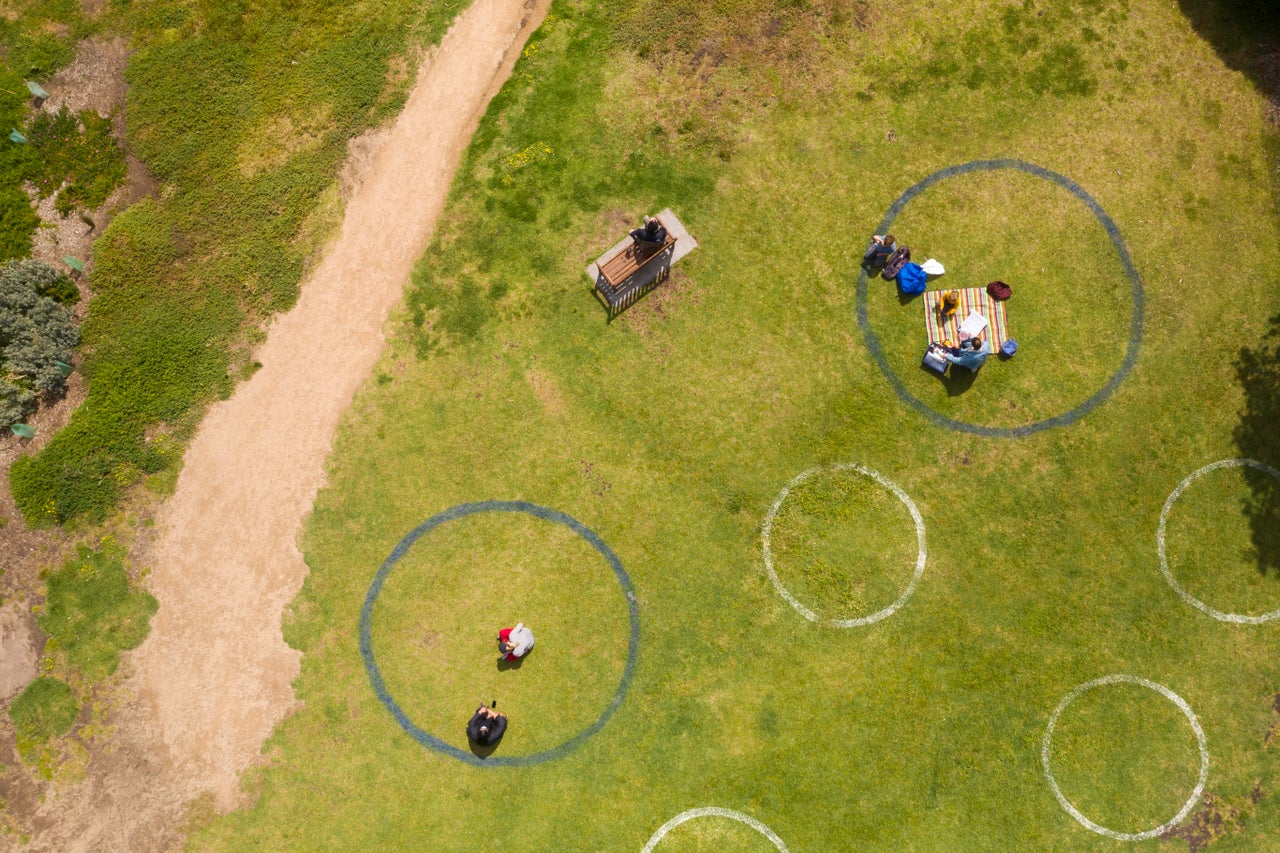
(971, 299)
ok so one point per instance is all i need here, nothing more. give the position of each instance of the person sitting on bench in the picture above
(651, 236)
(486, 727)
(971, 353)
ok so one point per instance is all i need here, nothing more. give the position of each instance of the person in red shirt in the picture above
(514, 643)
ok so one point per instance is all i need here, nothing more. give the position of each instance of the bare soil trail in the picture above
(214, 677)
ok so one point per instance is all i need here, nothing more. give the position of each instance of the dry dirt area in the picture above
(214, 677)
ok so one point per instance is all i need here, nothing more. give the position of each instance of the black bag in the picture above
(896, 262)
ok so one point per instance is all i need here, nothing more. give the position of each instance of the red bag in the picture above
(999, 291)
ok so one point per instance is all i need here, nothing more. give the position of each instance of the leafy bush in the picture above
(15, 402)
(92, 613)
(75, 157)
(46, 709)
(35, 334)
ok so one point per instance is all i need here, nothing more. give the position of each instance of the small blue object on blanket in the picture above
(911, 280)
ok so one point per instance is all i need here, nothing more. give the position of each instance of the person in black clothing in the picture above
(653, 232)
(486, 727)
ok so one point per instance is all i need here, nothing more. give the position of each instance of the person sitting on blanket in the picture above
(651, 236)
(971, 353)
(950, 302)
(881, 247)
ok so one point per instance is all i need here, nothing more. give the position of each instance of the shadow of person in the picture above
(1257, 437)
(483, 751)
(958, 379)
(504, 664)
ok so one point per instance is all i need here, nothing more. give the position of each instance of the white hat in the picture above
(932, 267)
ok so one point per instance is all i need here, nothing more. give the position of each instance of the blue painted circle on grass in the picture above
(431, 741)
(1135, 321)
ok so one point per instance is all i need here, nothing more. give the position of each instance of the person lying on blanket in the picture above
(971, 353)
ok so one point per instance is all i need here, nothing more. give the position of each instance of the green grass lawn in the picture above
(780, 135)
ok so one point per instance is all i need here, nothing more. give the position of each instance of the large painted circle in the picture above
(714, 811)
(1195, 727)
(1135, 321)
(431, 741)
(766, 546)
(1238, 618)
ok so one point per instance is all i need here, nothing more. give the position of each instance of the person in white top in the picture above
(514, 643)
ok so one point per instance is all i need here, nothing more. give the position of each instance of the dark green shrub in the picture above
(91, 612)
(15, 402)
(62, 290)
(35, 334)
(46, 709)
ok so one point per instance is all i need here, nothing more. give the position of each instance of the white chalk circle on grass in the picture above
(1238, 618)
(1195, 727)
(714, 811)
(767, 532)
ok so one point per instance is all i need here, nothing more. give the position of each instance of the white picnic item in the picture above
(973, 325)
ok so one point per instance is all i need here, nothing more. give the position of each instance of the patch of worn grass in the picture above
(91, 612)
(844, 545)
(1209, 547)
(1125, 756)
(75, 158)
(46, 709)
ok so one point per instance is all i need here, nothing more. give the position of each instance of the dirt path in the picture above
(214, 677)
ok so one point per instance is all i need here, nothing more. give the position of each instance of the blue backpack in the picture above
(911, 280)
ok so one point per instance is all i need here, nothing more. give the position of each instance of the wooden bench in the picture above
(634, 258)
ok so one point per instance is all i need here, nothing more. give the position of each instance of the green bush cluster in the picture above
(244, 114)
(91, 612)
(36, 333)
(47, 708)
(74, 157)
(17, 220)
